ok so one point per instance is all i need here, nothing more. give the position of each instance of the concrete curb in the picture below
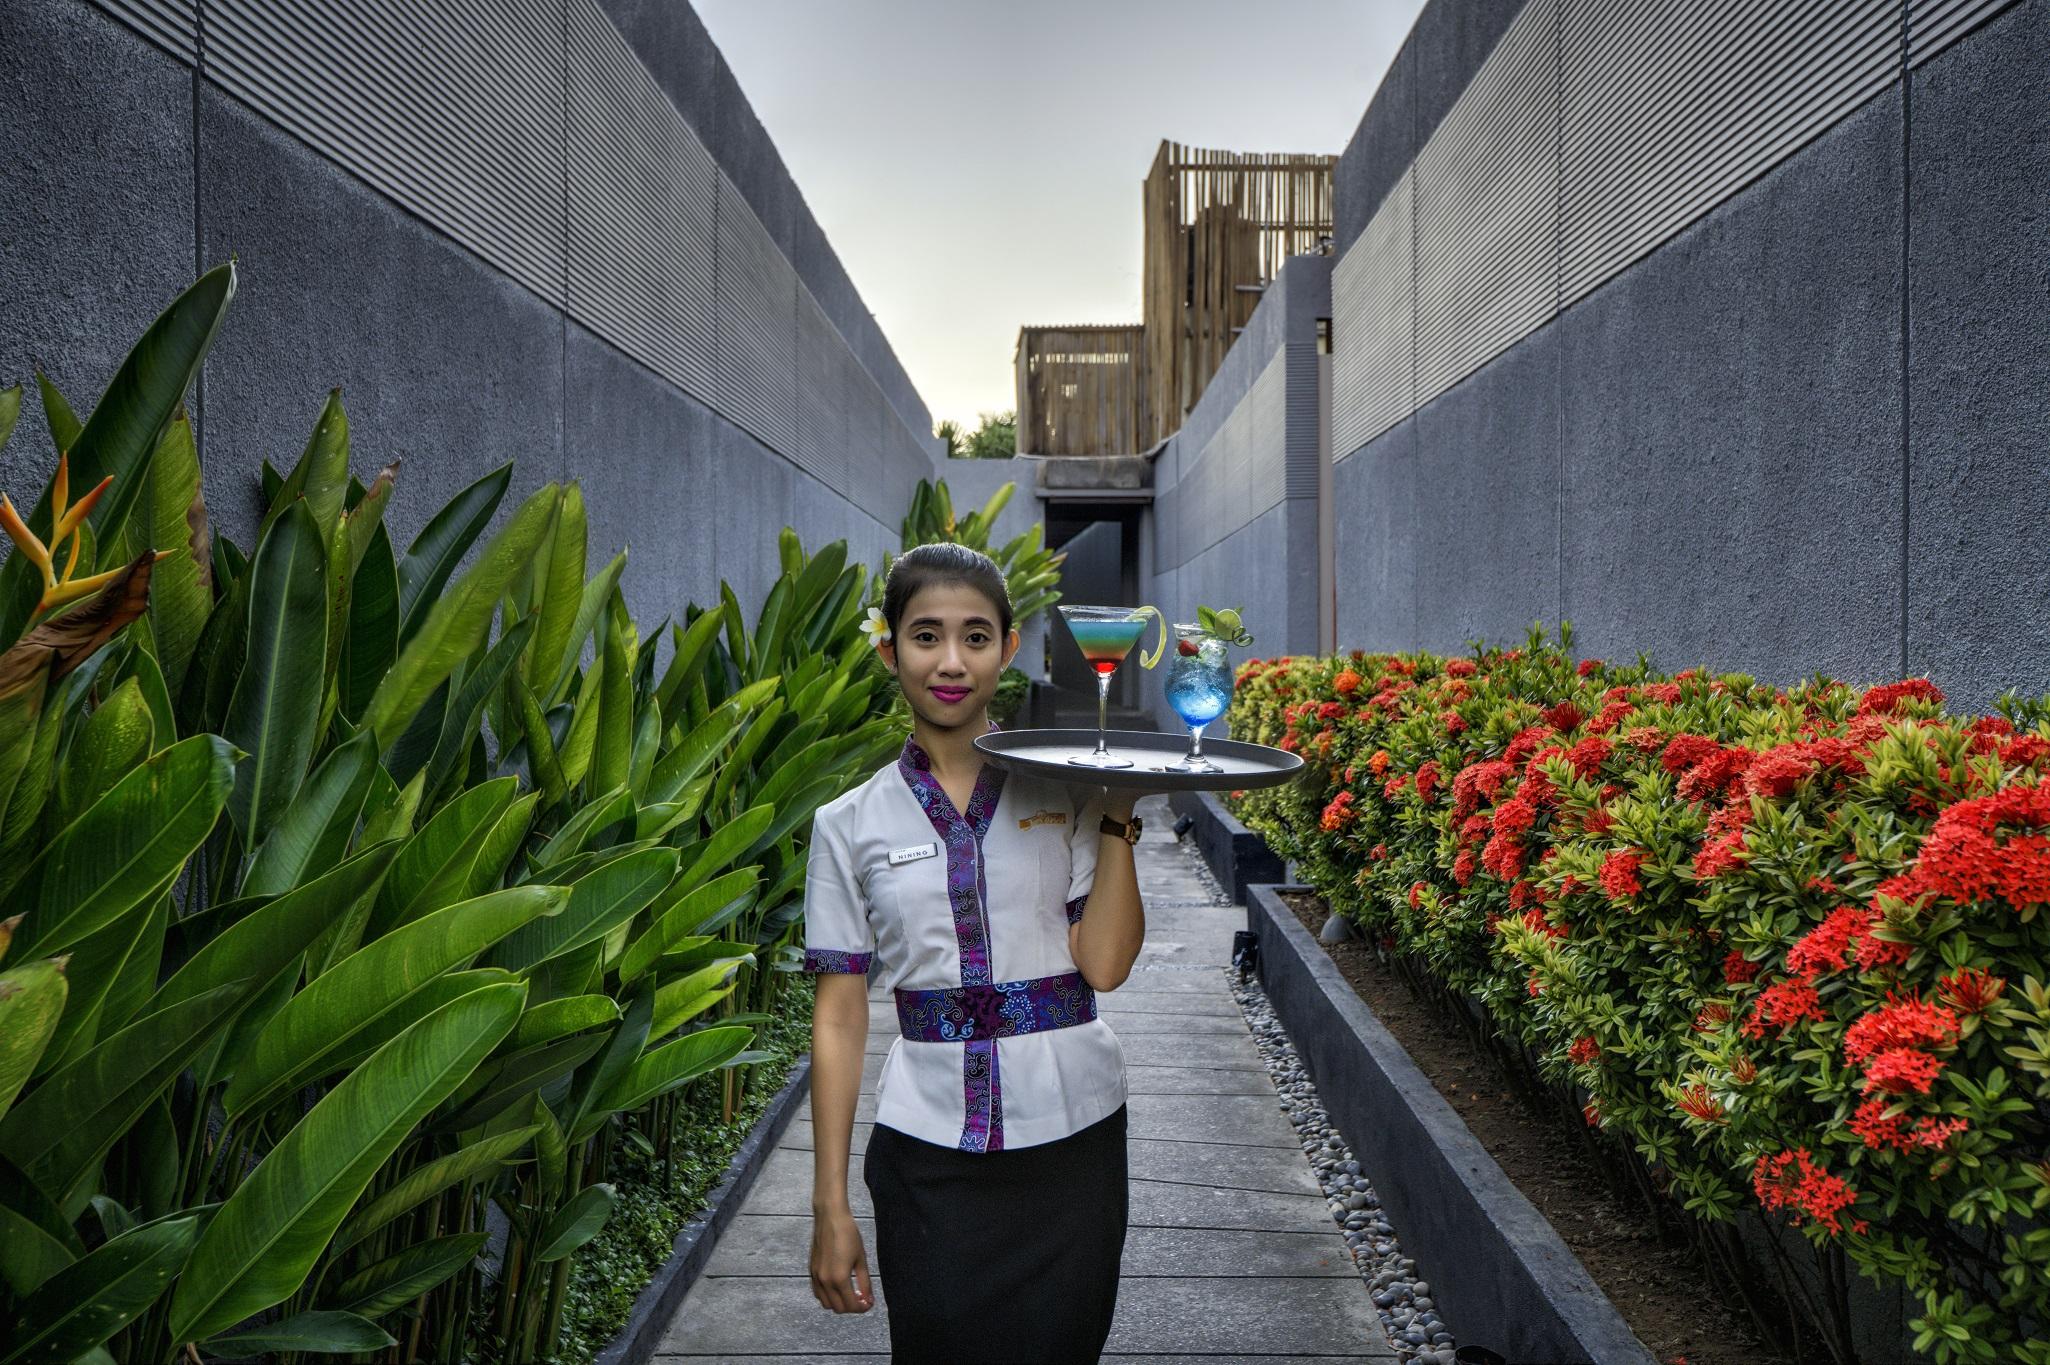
(658, 1302)
(1499, 1272)
(1239, 858)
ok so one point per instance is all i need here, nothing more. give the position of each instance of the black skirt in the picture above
(1006, 1256)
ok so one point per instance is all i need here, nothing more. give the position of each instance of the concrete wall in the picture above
(1803, 434)
(1235, 490)
(129, 171)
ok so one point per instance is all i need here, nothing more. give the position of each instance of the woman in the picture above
(997, 1161)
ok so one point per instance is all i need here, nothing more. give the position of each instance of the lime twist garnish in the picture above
(1149, 661)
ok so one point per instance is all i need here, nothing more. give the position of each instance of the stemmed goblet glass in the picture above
(1106, 635)
(1199, 687)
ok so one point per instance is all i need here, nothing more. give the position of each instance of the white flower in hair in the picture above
(875, 627)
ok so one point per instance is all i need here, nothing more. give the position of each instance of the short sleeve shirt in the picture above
(990, 903)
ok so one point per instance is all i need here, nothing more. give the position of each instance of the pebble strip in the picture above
(1407, 1312)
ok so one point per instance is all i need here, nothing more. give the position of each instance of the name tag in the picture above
(911, 855)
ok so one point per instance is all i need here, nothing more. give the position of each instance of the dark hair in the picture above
(944, 562)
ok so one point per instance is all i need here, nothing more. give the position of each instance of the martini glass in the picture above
(1106, 635)
(1199, 686)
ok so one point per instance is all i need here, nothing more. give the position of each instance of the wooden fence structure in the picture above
(1218, 227)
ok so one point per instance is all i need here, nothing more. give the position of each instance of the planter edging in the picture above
(658, 1301)
(1509, 1282)
(1239, 858)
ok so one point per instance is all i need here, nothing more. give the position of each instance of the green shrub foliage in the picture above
(1788, 944)
(362, 901)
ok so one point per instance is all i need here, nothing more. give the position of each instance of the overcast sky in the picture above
(977, 163)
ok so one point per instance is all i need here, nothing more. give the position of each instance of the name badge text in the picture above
(911, 855)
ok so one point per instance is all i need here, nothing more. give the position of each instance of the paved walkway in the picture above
(1230, 1253)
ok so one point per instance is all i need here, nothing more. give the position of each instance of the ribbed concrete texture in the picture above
(1230, 1253)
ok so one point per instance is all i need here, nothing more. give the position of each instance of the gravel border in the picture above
(1408, 1314)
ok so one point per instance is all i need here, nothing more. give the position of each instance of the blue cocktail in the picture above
(1199, 685)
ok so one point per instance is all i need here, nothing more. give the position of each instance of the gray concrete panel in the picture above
(754, 493)
(96, 214)
(1486, 534)
(1374, 497)
(1979, 356)
(641, 450)
(1446, 45)
(443, 361)
(1731, 428)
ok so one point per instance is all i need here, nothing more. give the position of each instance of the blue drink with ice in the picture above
(1199, 686)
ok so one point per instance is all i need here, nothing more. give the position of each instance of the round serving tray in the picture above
(1046, 753)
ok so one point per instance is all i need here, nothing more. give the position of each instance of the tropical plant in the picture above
(353, 917)
(1782, 949)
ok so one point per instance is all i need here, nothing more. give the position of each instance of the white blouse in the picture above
(902, 883)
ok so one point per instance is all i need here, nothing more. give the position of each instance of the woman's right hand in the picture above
(839, 1266)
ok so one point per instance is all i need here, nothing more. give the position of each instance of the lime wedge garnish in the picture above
(1149, 661)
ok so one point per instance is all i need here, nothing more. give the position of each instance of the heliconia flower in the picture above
(67, 519)
(875, 627)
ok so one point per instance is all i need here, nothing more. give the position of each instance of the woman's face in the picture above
(947, 653)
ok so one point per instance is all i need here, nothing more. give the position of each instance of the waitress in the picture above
(995, 905)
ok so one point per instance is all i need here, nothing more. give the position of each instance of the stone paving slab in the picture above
(780, 1244)
(1230, 1255)
(725, 1315)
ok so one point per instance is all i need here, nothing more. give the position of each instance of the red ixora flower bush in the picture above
(1820, 913)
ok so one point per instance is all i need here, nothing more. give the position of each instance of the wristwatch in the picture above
(1126, 830)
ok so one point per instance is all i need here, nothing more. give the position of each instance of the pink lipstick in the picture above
(950, 695)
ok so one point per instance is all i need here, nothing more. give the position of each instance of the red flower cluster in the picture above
(1583, 1050)
(1588, 756)
(1880, 1130)
(1737, 969)
(1346, 683)
(1971, 989)
(1810, 1189)
(1416, 891)
(1478, 783)
(1454, 722)
(1535, 921)
(1711, 1017)
(1967, 858)
(1587, 666)
(1723, 849)
(1427, 780)
(1782, 1005)
(1339, 813)
(1505, 852)
(1889, 1043)
(1564, 716)
(1665, 694)
(1460, 668)
(1886, 699)
(1822, 948)
(1619, 874)
(1462, 866)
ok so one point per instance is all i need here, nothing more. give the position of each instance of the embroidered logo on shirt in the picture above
(913, 854)
(1045, 817)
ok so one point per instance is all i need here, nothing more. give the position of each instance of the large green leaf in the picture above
(262, 1243)
(718, 851)
(457, 621)
(180, 593)
(62, 1128)
(507, 1079)
(123, 429)
(612, 759)
(666, 1067)
(407, 1274)
(561, 587)
(91, 1299)
(129, 845)
(466, 709)
(552, 1019)
(481, 1158)
(680, 1001)
(276, 704)
(595, 594)
(325, 1332)
(434, 866)
(314, 831)
(103, 974)
(373, 632)
(441, 545)
(576, 1222)
(31, 1001)
(328, 1019)
(321, 477)
(599, 902)
(679, 916)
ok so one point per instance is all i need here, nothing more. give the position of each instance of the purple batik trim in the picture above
(836, 960)
(967, 897)
(1076, 906)
(965, 1013)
